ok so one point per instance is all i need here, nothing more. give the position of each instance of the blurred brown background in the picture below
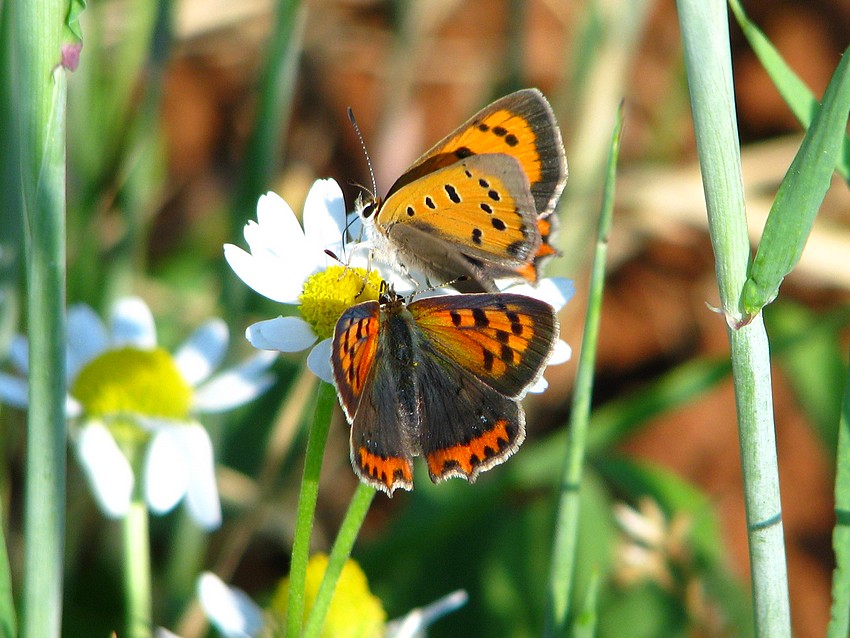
(411, 83)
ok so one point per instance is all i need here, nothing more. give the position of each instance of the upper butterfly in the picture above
(478, 205)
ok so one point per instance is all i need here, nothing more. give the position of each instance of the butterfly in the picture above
(479, 205)
(440, 377)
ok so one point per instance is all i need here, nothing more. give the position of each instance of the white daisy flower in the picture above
(133, 406)
(291, 265)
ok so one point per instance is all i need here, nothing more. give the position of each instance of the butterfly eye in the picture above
(369, 209)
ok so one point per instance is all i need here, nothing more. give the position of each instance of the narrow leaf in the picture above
(800, 195)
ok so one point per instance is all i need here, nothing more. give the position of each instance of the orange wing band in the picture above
(468, 456)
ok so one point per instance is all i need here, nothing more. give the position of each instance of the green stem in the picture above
(137, 571)
(839, 621)
(348, 531)
(41, 86)
(705, 35)
(325, 401)
(566, 527)
(274, 105)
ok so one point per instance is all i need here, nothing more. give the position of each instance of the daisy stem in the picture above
(566, 526)
(40, 86)
(137, 570)
(348, 531)
(318, 436)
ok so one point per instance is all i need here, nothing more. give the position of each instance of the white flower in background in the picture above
(291, 266)
(354, 610)
(133, 405)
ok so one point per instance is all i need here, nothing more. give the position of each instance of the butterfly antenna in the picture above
(374, 192)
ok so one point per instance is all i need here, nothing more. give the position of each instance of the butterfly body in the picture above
(439, 378)
(480, 203)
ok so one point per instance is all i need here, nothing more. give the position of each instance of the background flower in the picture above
(134, 406)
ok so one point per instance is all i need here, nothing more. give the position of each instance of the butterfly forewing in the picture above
(522, 125)
(353, 350)
(505, 339)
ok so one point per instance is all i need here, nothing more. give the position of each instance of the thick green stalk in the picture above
(41, 85)
(325, 401)
(348, 531)
(705, 35)
(566, 527)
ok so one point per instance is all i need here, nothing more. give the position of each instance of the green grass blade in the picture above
(273, 109)
(566, 528)
(799, 98)
(800, 195)
(584, 625)
(8, 619)
(839, 622)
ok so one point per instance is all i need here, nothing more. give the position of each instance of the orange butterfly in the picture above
(441, 377)
(479, 204)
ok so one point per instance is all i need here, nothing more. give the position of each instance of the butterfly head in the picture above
(366, 205)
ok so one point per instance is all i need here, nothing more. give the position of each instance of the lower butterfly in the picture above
(440, 377)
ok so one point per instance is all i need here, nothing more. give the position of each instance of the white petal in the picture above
(132, 323)
(324, 214)
(277, 220)
(14, 391)
(561, 354)
(19, 353)
(236, 386)
(319, 361)
(73, 409)
(419, 619)
(229, 609)
(539, 386)
(87, 337)
(266, 274)
(166, 477)
(162, 632)
(556, 291)
(285, 334)
(202, 498)
(203, 351)
(107, 469)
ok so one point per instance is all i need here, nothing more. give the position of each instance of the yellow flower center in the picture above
(327, 294)
(355, 612)
(129, 381)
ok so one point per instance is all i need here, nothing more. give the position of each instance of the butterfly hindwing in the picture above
(467, 427)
